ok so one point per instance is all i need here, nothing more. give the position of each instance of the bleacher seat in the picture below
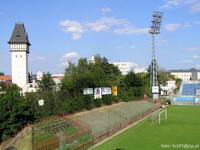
(190, 89)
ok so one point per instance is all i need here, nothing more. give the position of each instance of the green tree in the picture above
(14, 111)
(47, 83)
(99, 73)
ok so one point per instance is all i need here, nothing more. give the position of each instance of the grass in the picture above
(42, 136)
(69, 130)
(182, 127)
(25, 143)
(103, 118)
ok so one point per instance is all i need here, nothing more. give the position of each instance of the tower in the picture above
(155, 29)
(19, 48)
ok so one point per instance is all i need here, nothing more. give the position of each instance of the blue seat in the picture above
(190, 89)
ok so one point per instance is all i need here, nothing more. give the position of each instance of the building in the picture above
(125, 67)
(186, 75)
(139, 70)
(6, 79)
(168, 88)
(195, 75)
(57, 78)
(19, 49)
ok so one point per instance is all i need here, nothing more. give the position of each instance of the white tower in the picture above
(19, 48)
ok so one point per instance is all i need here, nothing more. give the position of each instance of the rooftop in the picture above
(185, 70)
(19, 35)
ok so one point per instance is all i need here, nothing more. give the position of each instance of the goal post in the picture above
(158, 116)
(162, 115)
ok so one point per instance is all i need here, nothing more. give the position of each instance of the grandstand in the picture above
(189, 94)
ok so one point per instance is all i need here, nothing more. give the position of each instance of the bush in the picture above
(88, 101)
(107, 99)
(97, 102)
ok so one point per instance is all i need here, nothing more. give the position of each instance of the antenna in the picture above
(154, 29)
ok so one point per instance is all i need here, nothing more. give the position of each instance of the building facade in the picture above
(186, 75)
(125, 67)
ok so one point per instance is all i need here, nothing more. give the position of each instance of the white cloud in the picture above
(193, 5)
(103, 24)
(196, 22)
(71, 55)
(65, 64)
(133, 47)
(131, 30)
(105, 10)
(186, 61)
(175, 26)
(76, 36)
(173, 3)
(198, 66)
(196, 7)
(196, 56)
(193, 49)
(74, 27)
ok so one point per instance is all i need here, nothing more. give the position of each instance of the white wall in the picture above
(184, 76)
(19, 62)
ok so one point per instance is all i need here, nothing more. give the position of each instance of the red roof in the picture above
(5, 78)
(58, 77)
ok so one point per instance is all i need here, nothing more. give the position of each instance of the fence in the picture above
(54, 142)
(115, 129)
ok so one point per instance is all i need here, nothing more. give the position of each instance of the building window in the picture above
(16, 56)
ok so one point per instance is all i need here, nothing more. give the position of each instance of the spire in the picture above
(19, 35)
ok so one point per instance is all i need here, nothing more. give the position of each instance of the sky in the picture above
(65, 30)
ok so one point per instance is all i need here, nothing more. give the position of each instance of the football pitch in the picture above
(180, 131)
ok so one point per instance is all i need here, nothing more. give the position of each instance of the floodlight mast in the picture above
(154, 29)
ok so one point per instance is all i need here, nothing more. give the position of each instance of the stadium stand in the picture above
(188, 94)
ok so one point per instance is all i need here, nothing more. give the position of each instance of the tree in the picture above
(1, 74)
(99, 73)
(14, 111)
(47, 83)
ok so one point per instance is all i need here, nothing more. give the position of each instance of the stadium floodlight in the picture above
(154, 29)
(156, 22)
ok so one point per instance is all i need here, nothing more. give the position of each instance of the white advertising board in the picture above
(106, 91)
(41, 102)
(87, 91)
(155, 89)
(97, 93)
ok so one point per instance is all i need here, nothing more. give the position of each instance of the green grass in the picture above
(42, 136)
(182, 127)
(25, 143)
(69, 130)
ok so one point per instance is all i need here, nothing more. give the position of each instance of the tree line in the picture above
(17, 110)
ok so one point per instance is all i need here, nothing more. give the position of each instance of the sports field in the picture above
(181, 127)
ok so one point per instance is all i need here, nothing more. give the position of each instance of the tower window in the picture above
(21, 56)
(16, 56)
(17, 35)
